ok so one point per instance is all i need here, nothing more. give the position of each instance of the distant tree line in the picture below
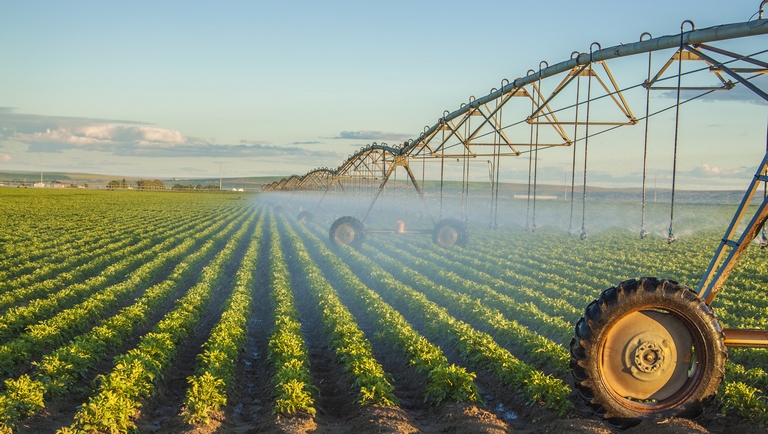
(117, 184)
(142, 184)
(146, 184)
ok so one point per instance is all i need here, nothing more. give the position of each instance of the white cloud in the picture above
(711, 170)
(99, 136)
(55, 134)
(216, 150)
(4, 158)
(707, 170)
(147, 136)
(255, 142)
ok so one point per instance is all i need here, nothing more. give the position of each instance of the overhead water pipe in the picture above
(700, 36)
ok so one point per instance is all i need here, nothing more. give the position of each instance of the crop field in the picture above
(214, 312)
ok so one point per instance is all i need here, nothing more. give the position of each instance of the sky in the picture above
(178, 89)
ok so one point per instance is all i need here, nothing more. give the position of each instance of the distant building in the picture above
(39, 184)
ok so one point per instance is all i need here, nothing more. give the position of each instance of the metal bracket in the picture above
(717, 273)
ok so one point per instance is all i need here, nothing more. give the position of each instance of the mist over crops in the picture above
(694, 211)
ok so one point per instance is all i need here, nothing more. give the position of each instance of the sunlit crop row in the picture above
(215, 370)
(445, 381)
(136, 373)
(56, 373)
(288, 354)
(344, 335)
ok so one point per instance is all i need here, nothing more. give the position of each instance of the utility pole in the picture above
(219, 176)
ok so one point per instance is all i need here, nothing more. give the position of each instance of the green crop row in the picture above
(45, 224)
(288, 354)
(445, 382)
(478, 348)
(535, 347)
(742, 392)
(39, 263)
(30, 270)
(453, 263)
(69, 322)
(137, 372)
(526, 312)
(16, 318)
(103, 257)
(60, 244)
(65, 270)
(344, 335)
(216, 364)
(58, 371)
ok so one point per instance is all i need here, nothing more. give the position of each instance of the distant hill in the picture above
(14, 177)
(11, 177)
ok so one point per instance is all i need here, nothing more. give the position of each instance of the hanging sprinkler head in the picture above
(671, 237)
(763, 240)
(643, 233)
(583, 235)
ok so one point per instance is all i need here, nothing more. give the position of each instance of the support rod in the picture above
(716, 275)
(730, 72)
(378, 192)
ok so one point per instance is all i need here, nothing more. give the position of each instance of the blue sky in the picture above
(173, 89)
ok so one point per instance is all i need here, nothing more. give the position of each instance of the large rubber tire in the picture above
(647, 348)
(304, 217)
(449, 232)
(347, 230)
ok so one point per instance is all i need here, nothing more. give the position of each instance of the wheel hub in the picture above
(647, 356)
(447, 236)
(345, 234)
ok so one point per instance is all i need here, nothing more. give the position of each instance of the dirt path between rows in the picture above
(162, 412)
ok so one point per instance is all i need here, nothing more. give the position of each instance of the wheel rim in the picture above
(447, 236)
(647, 360)
(344, 234)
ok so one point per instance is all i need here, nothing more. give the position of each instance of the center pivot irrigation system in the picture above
(647, 347)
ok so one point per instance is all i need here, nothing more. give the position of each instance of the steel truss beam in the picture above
(455, 135)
